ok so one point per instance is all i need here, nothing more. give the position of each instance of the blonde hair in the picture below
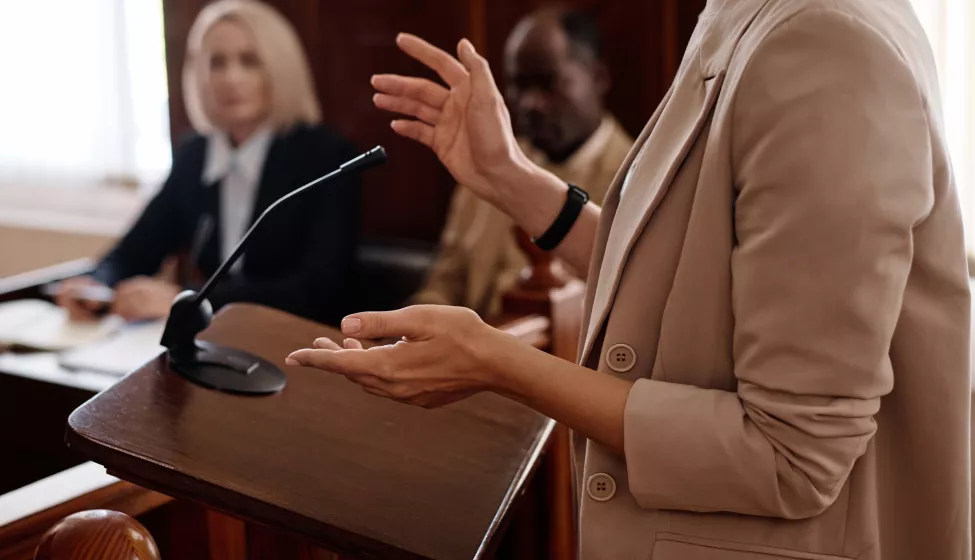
(293, 99)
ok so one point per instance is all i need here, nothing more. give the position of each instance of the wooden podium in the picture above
(357, 475)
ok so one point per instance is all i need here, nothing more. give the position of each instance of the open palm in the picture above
(466, 124)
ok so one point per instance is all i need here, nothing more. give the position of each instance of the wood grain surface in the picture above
(359, 475)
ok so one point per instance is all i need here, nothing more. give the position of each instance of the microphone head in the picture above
(372, 158)
(377, 154)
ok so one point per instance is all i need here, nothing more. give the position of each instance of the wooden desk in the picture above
(36, 398)
(359, 475)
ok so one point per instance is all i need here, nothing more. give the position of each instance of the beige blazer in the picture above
(784, 278)
(479, 258)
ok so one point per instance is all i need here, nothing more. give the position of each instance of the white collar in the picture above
(249, 156)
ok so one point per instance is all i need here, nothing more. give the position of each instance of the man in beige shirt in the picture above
(556, 85)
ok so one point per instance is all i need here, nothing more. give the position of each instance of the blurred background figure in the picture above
(251, 99)
(556, 84)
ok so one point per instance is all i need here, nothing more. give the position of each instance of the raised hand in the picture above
(465, 123)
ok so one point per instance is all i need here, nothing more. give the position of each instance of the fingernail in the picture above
(351, 325)
(291, 361)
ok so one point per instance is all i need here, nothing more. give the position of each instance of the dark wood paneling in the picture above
(348, 41)
(36, 412)
(178, 16)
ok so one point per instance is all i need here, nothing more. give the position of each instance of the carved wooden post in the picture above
(97, 535)
(546, 288)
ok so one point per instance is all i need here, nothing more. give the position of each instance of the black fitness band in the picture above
(575, 200)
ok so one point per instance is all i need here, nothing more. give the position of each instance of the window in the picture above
(84, 98)
(949, 25)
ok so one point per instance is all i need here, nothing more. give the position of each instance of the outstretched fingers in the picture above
(446, 66)
(407, 106)
(415, 130)
(417, 89)
(480, 70)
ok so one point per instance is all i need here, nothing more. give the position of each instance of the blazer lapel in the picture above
(275, 178)
(281, 174)
(205, 240)
(657, 156)
(609, 208)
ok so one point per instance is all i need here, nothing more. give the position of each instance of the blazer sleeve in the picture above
(318, 288)
(159, 231)
(446, 284)
(832, 159)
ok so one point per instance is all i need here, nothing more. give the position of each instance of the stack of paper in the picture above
(41, 325)
(106, 345)
(120, 354)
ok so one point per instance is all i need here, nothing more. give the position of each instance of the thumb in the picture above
(477, 65)
(399, 323)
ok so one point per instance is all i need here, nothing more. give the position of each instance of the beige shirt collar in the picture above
(584, 159)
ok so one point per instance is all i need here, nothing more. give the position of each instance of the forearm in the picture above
(533, 198)
(108, 271)
(156, 234)
(134, 256)
(589, 402)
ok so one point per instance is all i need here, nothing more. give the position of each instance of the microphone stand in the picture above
(220, 367)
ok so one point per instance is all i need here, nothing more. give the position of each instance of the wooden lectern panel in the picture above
(360, 475)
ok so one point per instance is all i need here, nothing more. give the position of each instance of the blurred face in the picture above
(556, 97)
(238, 84)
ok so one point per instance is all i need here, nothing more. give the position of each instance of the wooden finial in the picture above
(97, 535)
(544, 271)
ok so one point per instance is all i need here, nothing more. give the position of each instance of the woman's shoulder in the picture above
(190, 151)
(191, 143)
(188, 158)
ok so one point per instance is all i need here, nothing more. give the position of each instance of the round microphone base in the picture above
(229, 370)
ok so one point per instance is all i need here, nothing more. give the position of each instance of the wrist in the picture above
(505, 362)
(509, 181)
(531, 196)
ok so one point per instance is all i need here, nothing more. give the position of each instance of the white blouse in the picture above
(239, 172)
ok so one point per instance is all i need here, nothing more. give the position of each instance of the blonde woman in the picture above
(250, 96)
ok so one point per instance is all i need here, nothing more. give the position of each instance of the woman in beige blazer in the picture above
(776, 358)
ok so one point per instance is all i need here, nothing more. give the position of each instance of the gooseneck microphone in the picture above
(220, 367)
